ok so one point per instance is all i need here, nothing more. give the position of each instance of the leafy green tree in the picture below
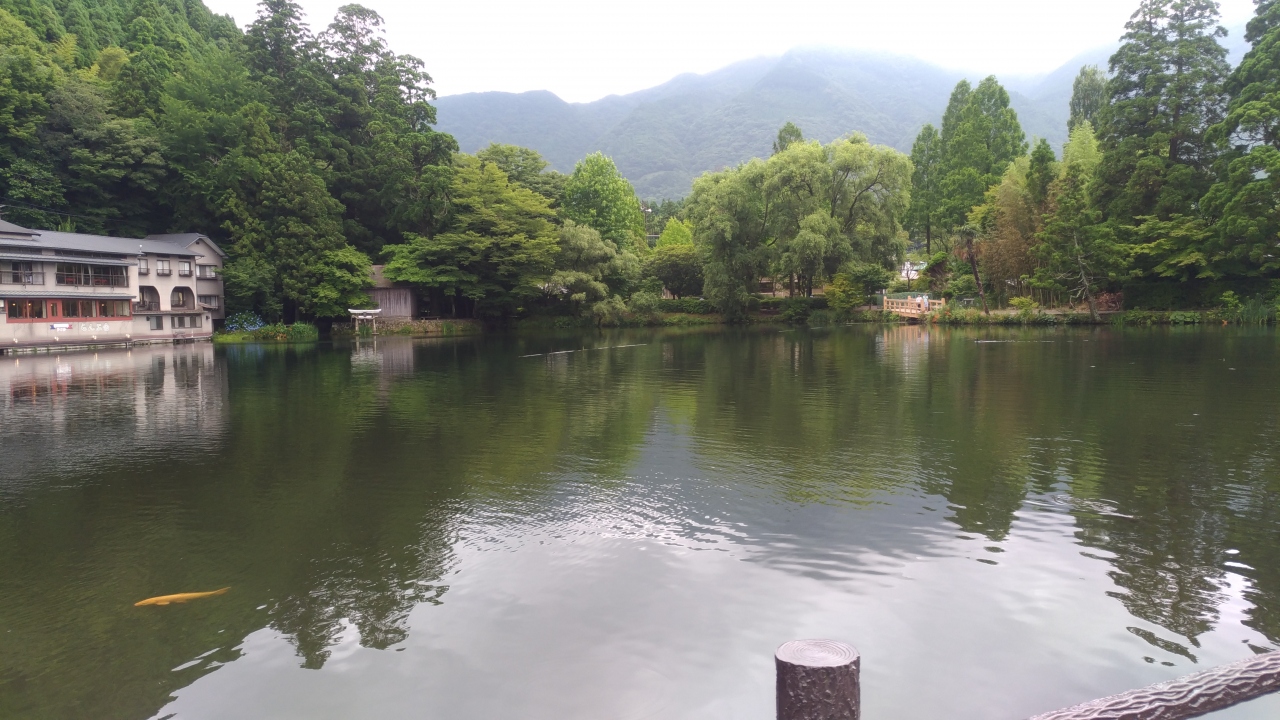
(288, 255)
(926, 161)
(284, 56)
(498, 249)
(676, 232)
(583, 264)
(110, 168)
(1041, 172)
(803, 213)
(836, 203)
(787, 134)
(27, 181)
(1077, 251)
(1245, 238)
(728, 212)
(1088, 95)
(1165, 92)
(527, 167)
(679, 268)
(598, 196)
(981, 138)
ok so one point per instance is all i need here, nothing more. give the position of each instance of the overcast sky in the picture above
(583, 50)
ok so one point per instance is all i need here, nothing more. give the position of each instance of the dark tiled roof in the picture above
(187, 240)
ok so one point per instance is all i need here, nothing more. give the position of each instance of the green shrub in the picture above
(692, 306)
(609, 312)
(795, 311)
(646, 304)
(822, 318)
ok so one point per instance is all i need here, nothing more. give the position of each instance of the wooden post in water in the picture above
(818, 680)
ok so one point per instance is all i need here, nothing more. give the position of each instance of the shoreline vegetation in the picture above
(311, 155)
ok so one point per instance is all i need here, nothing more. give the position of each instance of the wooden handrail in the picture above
(819, 680)
(1186, 697)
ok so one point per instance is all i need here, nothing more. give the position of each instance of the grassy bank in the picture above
(1129, 318)
(274, 333)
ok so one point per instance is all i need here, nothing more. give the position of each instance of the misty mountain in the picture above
(663, 137)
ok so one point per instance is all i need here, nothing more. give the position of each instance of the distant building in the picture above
(911, 270)
(395, 301)
(59, 289)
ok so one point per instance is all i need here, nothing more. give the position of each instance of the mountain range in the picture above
(663, 137)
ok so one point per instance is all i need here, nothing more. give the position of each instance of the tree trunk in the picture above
(1084, 280)
(973, 264)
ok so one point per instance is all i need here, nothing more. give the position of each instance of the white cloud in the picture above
(583, 50)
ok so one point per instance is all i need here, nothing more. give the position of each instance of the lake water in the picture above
(625, 526)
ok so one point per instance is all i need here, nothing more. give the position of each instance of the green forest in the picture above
(311, 155)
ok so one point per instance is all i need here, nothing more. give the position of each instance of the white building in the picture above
(60, 289)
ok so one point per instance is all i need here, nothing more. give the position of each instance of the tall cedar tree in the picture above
(1088, 95)
(926, 159)
(981, 136)
(1165, 92)
(1246, 235)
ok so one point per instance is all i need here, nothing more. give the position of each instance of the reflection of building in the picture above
(59, 289)
(91, 408)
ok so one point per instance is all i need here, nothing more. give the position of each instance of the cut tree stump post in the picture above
(818, 680)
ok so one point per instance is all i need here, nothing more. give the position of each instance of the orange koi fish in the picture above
(179, 598)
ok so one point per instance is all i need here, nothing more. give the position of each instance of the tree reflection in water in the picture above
(334, 487)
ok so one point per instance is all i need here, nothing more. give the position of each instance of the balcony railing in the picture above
(82, 280)
(164, 272)
(144, 271)
(22, 278)
(184, 273)
(146, 306)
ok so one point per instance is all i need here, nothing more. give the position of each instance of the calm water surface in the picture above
(1003, 522)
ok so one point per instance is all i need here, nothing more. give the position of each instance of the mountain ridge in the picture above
(665, 136)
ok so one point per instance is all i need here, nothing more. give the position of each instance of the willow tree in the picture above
(803, 213)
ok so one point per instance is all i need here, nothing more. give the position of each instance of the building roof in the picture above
(6, 254)
(8, 228)
(16, 236)
(66, 292)
(187, 240)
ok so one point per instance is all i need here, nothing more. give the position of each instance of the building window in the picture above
(209, 300)
(113, 308)
(143, 268)
(26, 309)
(181, 299)
(162, 267)
(155, 322)
(23, 273)
(185, 321)
(96, 275)
(79, 308)
(207, 272)
(184, 268)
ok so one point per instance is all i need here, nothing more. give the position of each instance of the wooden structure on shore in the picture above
(912, 304)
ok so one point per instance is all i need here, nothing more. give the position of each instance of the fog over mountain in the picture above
(664, 137)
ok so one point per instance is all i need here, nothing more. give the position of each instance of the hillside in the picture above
(665, 136)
